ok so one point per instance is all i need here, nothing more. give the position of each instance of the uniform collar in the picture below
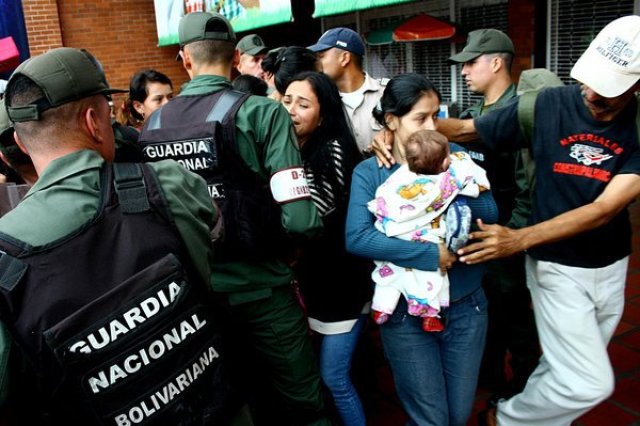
(64, 167)
(203, 84)
(370, 84)
(503, 99)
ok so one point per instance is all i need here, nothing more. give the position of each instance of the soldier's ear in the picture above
(186, 58)
(19, 143)
(236, 59)
(497, 63)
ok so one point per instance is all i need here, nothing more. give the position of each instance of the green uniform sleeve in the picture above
(524, 179)
(278, 149)
(195, 214)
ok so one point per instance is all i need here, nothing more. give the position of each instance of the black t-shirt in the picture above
(575, 156)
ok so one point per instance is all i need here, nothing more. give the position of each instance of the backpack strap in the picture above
(11, 271)
(130, 187)
(225, 105)
(224, 111)
(154, 121)
(526, 115)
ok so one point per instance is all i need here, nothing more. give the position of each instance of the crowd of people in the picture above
(216, 256)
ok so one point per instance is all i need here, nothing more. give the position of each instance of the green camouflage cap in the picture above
(483, 41)
(251, 44)
(197, 26)
(64, 75)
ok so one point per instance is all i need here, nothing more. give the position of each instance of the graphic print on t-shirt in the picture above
(588, 156)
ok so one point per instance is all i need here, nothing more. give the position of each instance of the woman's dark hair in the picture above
(401, 94)
(335, 125)
(268, 63)
(288, 62)
(138, 88)
(250, 84)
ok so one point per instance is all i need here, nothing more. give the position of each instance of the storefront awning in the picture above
(418, 28)
(424, 28)
(382, 35)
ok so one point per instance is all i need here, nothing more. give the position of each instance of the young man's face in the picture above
(330, 62)
(478, 73)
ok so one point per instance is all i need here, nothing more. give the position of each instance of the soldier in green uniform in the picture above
(58, 102)
(266, 156)
(486, 68)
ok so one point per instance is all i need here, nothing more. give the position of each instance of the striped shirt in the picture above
(322, 194)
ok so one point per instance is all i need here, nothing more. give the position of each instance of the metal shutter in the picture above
(572, 26)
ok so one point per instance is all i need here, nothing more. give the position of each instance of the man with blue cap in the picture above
(341, 53)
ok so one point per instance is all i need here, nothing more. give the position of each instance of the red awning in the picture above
(422, 28)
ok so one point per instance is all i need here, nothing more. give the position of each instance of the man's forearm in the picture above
(458, 130)
(495, 241)
(564, 226)
(620, 192)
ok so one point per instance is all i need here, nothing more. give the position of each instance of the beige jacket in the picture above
(362, 121)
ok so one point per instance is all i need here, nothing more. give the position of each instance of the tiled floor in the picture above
(622, 409)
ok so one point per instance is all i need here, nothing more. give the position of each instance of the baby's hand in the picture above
(447, 259)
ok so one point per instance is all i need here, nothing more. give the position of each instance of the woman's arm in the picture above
(363, 239)
(483, 207)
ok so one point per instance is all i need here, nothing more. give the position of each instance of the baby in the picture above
(409, 205)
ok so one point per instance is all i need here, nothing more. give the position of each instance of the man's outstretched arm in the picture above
(454, 129)
(499, 241)
(458, 130)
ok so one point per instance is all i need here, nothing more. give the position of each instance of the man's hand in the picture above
(447, 259)
(381, 146)
(496, 242)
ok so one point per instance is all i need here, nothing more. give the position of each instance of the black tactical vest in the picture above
(199, 132)
(116, 326)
